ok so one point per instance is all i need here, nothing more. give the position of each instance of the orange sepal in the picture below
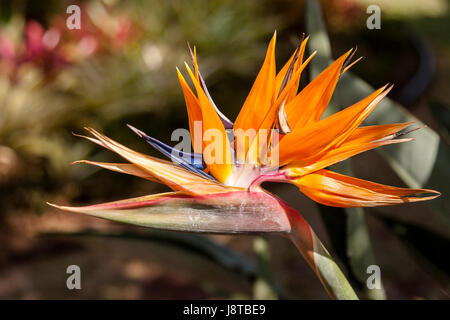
(194, 111)
(337, 190)
(260, 98)
(309, 105)
(321, 136)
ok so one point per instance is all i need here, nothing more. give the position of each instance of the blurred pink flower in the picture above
(57, 47)
(40, 48)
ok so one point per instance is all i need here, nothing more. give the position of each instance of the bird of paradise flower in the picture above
(226, 196)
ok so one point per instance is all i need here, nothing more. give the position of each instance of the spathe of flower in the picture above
(226, 196)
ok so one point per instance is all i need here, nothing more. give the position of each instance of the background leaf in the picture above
(425, 244)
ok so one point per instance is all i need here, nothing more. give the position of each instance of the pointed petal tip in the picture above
(83, 162)
(389, 87)
(412, 198)
(385, 89)
(359, 59)
(192, 53)
(348, 52)
(405, 132)
(189, 70)
(351, 64)
(140, 133)
(91, 131)
(64, 208)
(80, 135)
(54, 205)
(437, 193)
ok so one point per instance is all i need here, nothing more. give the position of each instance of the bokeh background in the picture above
(120, 68)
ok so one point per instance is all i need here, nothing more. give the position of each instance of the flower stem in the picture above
(264, 287)
(317, 256)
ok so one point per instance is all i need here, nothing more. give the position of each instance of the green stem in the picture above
(317, 256)
(264, 287)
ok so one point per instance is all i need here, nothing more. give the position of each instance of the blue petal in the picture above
(190, 161)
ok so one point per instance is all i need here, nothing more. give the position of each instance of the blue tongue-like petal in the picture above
(190, 161)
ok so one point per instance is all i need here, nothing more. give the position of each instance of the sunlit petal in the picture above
(309, 105)
(337, 190)
(194, 112)
(219, 164)
(260, 98)
(330, 132)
